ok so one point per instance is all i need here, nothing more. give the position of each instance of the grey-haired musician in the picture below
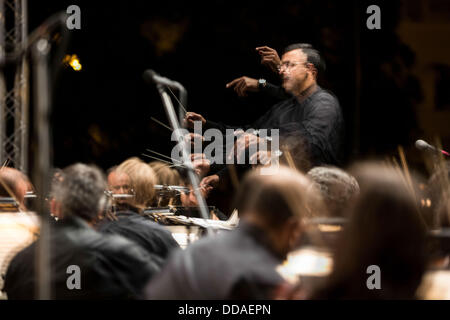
(110, 266)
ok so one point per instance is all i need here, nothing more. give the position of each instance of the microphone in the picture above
(151, 76)
(424, 146)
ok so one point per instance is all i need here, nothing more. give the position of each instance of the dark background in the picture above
(102, 113)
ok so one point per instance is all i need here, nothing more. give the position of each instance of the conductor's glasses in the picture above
(289, 65)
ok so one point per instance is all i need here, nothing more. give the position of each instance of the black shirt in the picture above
(111, 266)
(154, 238)
(313, 128)
(217, 266)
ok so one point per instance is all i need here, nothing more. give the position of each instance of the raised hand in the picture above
(244, 141)
(190, 117)
(210, 182)
(193, 138)
(243, 85)
(262, 157)
(269, 58)
(200, 163)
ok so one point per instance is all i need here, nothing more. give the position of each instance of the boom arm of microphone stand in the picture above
(171, 115)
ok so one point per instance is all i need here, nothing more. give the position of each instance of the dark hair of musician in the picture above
(385, 230)
(275, 197)
(313, 55)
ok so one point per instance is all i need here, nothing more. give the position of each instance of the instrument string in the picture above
(406, 171)
(5, 163)
(181, 105)
(289, 159)
(159, 159)
(161, 124)
(163, 155)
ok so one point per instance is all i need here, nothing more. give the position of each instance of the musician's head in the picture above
(13, 183)
(79, 191)
(118, 181)
(165, 175)
(337, 188)
(277, 203)
(300, 64)
(385, 229)
(143, 180)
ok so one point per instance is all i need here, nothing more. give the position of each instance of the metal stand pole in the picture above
(43, 162)
(185, 154)
(183, 103)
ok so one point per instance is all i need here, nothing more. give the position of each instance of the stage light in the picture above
(75, 64)
(73, 61)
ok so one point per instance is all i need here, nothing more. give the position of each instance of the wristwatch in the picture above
(262, 83)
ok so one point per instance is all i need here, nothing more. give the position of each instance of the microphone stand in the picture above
(182, 103)
(42, 163)
(38, 44)
(40, 49)
(186, 161)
